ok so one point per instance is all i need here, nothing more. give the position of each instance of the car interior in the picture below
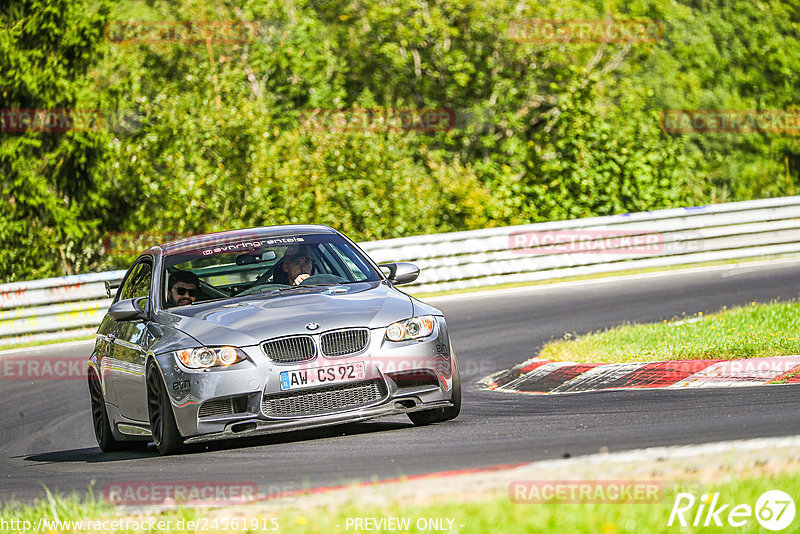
(225, 276)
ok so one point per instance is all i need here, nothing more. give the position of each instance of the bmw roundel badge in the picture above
(312, 326)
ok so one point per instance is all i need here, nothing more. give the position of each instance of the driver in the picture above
(182, 289)
(297, 264)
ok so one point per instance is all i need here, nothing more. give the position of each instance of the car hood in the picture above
(249, 320)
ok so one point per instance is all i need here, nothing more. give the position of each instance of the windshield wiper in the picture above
(210, 300)
(301, 286)
(270, 291)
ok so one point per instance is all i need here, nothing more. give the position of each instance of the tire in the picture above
(166, 437)
(439, 415)
(102, 426)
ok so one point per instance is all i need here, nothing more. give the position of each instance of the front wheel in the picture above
(437, 415)
(167, 438)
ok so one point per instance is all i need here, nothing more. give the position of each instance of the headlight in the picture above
(205, 357)
(413, 328)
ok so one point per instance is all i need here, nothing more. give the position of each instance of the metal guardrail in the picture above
(53, 308)
(74, 305)
(594, 245)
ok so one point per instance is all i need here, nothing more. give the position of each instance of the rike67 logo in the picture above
(774, 510)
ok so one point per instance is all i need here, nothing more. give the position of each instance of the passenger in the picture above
(296, 266)
(183, 288)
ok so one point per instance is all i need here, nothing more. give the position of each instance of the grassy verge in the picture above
(754, 331)
(500, 514)
(495, 513)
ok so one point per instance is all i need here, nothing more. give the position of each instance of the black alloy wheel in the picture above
(166, 436)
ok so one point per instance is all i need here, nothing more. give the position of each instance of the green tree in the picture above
(52, 197)
(544, 130)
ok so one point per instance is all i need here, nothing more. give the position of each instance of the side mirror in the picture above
(128, 309)
(401, 272)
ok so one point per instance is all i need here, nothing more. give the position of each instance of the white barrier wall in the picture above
(74, 305)
(595, 245)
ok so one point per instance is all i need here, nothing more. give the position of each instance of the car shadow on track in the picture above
(94, 455)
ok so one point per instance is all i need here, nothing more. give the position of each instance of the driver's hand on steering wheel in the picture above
(298, 269)
(300, 278)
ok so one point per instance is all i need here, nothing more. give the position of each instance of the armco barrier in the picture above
(73, 305)
(685, 235)
(54, 308)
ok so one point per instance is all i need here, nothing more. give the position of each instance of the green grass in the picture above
(500, 515)
(495, 514)
(63, 507)
(754, 331)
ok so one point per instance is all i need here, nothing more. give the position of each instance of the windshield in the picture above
(219, 273)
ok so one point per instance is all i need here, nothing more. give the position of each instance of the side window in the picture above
(126, 291)
(141, 287)
(138, 283)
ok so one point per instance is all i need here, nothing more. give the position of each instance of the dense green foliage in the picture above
(52, 193)
(207, 136)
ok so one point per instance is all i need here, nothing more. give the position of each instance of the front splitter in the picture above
(273, 427)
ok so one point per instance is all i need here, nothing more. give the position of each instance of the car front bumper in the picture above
(224, 403)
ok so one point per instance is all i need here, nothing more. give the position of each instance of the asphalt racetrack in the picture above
(47, 436)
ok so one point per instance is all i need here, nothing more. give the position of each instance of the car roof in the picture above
(261, 233)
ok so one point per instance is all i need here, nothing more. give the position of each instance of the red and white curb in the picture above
(544, 376)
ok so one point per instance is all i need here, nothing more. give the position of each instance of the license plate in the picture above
(344, 372)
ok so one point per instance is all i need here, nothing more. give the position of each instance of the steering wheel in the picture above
(322, 279)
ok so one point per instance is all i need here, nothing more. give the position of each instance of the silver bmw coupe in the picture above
(264, 330)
